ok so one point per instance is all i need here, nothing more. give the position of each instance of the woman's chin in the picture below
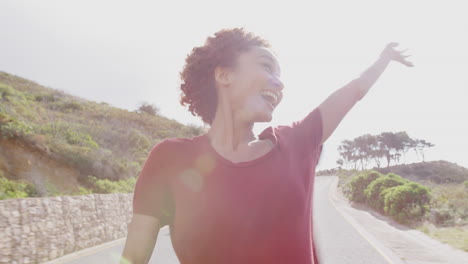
(261, 115)
(265, 117)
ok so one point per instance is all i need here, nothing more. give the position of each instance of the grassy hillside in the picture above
(429, 172)
(438, 172)
(94, 138)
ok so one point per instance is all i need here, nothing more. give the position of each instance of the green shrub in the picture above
(81, 139)
(52, 190)
(452, 198)
(344, 177)
(12, 189)
(107, 186)
(31, 190)
(6, 91)
(441, 216)
(72, 134)
(138, 139)
(18, 103)
(406, 202)
(45, 97)
(373, 192)
(29, 96)
(66, 107)
(15, 128)
(4, 118)
(82, 191)
(360, 182)
(82, 158)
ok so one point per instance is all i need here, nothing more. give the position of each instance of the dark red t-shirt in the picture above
(259, 211)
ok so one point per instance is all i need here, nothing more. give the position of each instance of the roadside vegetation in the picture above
(107, 145)
(436, 205)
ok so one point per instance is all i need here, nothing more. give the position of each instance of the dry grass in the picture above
(456, 236)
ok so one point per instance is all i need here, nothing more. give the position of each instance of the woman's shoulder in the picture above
(175, 152)
(180, 141)
(176, 144)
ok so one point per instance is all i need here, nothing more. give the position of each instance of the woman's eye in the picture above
(267, 66)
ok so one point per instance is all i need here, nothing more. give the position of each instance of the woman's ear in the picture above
(223, 75)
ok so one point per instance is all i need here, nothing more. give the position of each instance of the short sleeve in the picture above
(152, 195)
(307, 133)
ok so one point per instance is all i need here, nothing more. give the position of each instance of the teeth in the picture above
(271, 94)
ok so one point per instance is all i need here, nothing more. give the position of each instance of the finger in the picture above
(406, 56)
(392, 44)
(408, 63)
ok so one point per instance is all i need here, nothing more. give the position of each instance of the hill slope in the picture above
(429, 173)
(75, 137)
(439, 172)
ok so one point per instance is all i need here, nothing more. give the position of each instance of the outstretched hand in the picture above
(390, 53)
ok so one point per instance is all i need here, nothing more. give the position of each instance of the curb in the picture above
(85, 252)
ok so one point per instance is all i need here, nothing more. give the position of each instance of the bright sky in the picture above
(127, 52)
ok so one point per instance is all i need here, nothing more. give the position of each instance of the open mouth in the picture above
(270, 101)
(269, 97)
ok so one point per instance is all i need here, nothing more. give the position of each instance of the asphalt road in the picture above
(338, 239)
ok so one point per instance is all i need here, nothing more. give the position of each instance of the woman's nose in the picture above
(275, 81)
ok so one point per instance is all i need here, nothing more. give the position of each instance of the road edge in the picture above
(85, 252)
(390, 256)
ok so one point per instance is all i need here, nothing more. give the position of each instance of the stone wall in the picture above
(36, 230)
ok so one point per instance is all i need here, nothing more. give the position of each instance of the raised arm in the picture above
(337, 105)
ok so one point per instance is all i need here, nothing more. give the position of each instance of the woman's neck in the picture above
(228, 133)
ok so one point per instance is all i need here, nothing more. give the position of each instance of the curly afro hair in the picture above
(198, 88)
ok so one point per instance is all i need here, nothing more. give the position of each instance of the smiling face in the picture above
(255, 88)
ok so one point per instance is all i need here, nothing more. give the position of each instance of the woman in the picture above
(230, 196)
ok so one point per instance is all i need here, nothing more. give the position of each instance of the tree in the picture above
(340, 162)
(347, 151)
(391, 146)
(377, 152)
(404, 144)
(419, 145)
(148, 108)
(363, 148)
